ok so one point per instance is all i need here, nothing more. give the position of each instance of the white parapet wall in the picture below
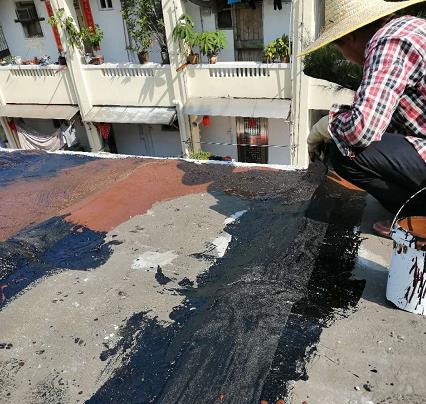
(129, 84)
(323, 94)
(33, 84)
(240, 80)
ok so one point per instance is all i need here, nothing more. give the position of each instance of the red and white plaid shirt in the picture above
(392, 94)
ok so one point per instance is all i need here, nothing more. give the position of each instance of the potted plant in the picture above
(279, 48)
(93, 36)
(73, 35)
(283, 49)
(145, 23)
(271, 53)
(184, 33)
(211, 43)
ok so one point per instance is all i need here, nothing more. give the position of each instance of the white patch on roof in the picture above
(221, 243)
(151, 259)
(234, 217)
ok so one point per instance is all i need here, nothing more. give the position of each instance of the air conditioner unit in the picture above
(26, 13)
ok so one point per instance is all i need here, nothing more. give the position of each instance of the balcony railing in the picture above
(240, 80)
(129, 84)
(34, 84)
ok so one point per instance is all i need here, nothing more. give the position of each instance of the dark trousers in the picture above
(390, 170)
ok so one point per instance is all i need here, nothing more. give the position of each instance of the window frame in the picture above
(25, 23)
(106, 4)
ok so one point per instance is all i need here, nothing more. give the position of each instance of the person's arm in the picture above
(386, 72)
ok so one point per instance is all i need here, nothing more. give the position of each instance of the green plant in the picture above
(184, 32)
(72, 33)
(211, 43)
(328, 64)
(93, 36)
(200, 155)
(283, 46)
(277, 49)
(144, 20)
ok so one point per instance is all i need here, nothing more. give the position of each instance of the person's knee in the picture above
(339, 163)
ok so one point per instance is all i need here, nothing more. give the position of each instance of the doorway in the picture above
(252, 136)
(248, 32)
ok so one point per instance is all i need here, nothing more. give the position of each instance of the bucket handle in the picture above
(405, 205)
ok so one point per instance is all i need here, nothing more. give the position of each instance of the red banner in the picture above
(87, 11)
(54, 29)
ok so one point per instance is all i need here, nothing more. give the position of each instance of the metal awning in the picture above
(38, 111)
(150, 115)
(246, 107)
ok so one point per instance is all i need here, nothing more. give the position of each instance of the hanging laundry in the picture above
(234, 1)
(278, 4)
(30, 139)
(68, 132)
(104, 129)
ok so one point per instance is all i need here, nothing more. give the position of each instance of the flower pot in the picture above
(193, 58)
(212, 59)
(97, 60)
(285, 59)
(143, 57)
(62, 61)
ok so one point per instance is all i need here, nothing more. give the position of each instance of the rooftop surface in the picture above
(165, 281)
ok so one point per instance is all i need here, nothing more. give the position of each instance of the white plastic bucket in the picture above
(406, 286)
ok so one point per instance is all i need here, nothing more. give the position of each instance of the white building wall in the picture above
(147, 140)
(222, 129)
(113, 46)
(275, 22)
(27, 48)
(279, 134)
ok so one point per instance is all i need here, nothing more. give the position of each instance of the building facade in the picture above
(239, 108)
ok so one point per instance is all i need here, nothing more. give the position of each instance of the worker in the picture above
(379, 142)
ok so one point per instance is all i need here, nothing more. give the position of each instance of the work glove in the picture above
(318, 138)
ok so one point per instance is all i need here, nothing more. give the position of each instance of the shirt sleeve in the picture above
(386, 73)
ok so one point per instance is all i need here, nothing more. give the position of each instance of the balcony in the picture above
(34, 84)
(240, 80)
(129, 84)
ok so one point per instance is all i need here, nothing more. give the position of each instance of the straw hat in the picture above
(345, 16)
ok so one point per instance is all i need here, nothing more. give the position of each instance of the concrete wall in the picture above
(222, 129)
(275, 22)
(148, 140)
(279, 134)
(27, 48)
(113, 46)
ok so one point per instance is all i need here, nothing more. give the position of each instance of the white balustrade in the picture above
(240, 79)
(129, 84)
(34, 84)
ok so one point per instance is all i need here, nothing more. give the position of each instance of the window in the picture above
(224, 19)
(105, 4)
(27, 16)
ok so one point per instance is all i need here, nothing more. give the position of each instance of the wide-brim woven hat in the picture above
(345, 16)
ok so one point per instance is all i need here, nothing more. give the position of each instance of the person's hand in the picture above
(318, 138)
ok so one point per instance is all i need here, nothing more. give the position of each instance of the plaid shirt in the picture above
(392, 94)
